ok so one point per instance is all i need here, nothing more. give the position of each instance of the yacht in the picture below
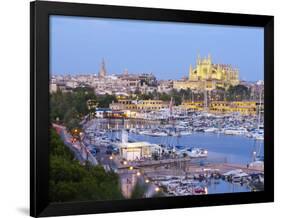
(196, 152)
(212, 129)
(239, 177)
(185, 133)
(235, 131)
(259, 134)
(259, 137)
(153, 133)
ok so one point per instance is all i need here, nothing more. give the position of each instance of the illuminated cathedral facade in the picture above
(208, 76)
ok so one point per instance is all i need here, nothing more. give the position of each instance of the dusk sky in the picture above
(78, 45)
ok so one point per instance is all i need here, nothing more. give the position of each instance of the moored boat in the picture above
(197, 152)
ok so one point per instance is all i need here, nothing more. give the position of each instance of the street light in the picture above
(157, 189)
(111, 157)
(125, 162)
(131, 168)
(138, 173)
(147, 181)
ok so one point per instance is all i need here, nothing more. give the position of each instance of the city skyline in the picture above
(78, 46)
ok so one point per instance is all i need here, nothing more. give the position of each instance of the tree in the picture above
(238, 93)
(62, 104)
(139, 190)
(176, 96)
(71, 119)
(105, 100)
(158, 194)
(137, 91)
(70, 181)
(185, 94)
(145, 96)
(164, 97)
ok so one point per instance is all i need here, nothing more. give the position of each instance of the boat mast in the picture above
(171, 107)
(205, 98)
(255, 152)
(259, 120)
(259, 116)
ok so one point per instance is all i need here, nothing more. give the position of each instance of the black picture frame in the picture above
(39, 107)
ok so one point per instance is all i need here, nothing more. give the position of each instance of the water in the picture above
(230, 148)
(221, 186)
(234, 149)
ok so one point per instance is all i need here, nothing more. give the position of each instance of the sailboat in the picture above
(259, 135)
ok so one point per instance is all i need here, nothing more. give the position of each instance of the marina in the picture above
(140, 117)
(181, 157)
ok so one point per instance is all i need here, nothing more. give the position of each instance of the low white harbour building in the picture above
(137, 150)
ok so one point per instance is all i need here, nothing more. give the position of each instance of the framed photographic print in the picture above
(141, 109)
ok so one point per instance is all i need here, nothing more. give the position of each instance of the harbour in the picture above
(144, 126)
(231, 162)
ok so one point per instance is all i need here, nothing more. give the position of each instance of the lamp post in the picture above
(92, 105)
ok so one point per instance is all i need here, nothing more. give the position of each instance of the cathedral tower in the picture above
(102, 72)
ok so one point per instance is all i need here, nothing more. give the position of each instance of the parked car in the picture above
(93, 152)
(112, 150)
(97, 149)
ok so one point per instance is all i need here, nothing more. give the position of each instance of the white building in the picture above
(165, 86)
(137, 150)
(72, 84)
(102, 112)
(53, 87)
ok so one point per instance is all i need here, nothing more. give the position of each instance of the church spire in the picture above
(102, 72)
(190, 70)
(198, 58)
(209, 59)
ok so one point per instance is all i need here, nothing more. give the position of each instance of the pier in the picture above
(186, 166)
(157, 163)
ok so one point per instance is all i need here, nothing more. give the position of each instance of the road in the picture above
(104, 159)
(74, 150)
(78, 149)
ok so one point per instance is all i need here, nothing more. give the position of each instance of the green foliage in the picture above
(164, 97)
(238, 93)
(178, 96)
(70, 181)
(71, 119)
(233, 93)
(139, 190)
(105, 100)
(158, 194)
(57, 147)
(71, 104)
(220, 88)
(71, 107)
(147, 96)
(63, 191)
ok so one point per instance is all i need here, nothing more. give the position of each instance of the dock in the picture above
(184, 165)
(156, 163)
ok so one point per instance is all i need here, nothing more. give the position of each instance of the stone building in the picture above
(208, 76)
(102, 72)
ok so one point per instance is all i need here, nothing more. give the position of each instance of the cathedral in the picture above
(102, 72)
(208, 76)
